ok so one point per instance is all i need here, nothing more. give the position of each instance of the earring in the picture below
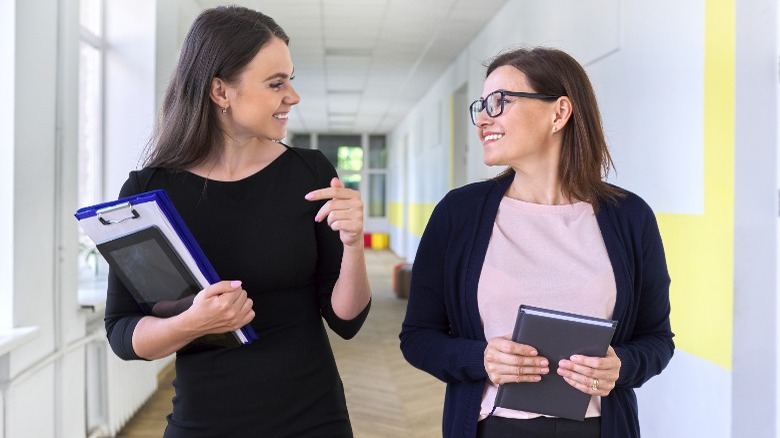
(224, 110)
(555, 128)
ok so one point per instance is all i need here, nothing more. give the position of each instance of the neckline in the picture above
(574, 208)
(246, 178)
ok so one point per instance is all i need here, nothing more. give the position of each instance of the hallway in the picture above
(387, 397)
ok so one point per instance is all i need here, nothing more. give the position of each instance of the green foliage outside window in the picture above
(350, 158)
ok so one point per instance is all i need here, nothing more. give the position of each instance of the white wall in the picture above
(755, 221)
(7, 122)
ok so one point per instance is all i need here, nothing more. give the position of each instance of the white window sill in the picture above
(13, 338)
(92, 294)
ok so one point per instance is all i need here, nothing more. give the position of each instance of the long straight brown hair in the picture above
(585, 160)
(220, 43)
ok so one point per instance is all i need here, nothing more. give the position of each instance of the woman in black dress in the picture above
(277, 225)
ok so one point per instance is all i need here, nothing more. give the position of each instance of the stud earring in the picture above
(555, 128)
(224, 110)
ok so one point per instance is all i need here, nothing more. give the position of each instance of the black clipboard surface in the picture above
(555, 335)
(149, 268)
(158, 279)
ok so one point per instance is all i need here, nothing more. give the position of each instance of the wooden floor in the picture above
(387, 397)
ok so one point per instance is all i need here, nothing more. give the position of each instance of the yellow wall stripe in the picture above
(418, 217)
(700, 248)
(395, 214)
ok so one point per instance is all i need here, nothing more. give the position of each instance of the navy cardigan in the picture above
(442, 333)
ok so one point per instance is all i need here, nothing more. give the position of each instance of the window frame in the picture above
(92, 288)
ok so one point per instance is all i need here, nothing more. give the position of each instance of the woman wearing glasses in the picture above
(547, 232)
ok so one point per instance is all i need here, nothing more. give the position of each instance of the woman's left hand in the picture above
(344, 211)
(591, 375)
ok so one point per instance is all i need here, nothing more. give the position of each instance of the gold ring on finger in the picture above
(595, 385)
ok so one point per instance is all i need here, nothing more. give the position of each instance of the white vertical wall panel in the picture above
(34, 177)
(755, 364)
(7, 123)
(72, 396)
(2, 414)
(651, 94)
(31, 406)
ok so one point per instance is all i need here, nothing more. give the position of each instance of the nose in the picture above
(483, 119)
(292, 98)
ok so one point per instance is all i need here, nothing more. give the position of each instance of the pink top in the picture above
(550, 256)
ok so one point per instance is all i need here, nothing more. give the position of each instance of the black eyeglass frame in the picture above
(474, 112)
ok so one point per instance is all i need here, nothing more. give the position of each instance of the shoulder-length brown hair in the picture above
(585, 159)
(220, 43)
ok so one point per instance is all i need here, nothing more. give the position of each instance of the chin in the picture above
(490, 161)
(277, 137)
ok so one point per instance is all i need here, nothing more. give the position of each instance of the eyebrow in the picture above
(279, 76)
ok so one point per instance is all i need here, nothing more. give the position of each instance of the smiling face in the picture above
(260, 101)
(523, 134)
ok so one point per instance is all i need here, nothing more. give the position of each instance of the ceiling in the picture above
(361, 64)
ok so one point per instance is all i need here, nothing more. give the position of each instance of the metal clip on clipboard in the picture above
(113, 208)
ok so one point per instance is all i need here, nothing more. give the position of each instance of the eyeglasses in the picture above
(494, 102)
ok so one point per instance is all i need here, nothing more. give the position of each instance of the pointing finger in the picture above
(336, 190)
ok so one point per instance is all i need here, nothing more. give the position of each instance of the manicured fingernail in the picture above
(235, 283)
(309, 196)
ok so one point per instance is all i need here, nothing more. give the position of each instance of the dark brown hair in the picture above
(220, 43)
(585, 159)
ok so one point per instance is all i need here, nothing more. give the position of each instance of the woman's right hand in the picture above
(220, 308)
(507, 361)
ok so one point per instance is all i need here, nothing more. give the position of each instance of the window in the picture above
(377, 176)
(91, 62)
(346, 154)
(361, 161)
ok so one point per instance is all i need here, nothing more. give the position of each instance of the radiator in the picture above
(116, 389)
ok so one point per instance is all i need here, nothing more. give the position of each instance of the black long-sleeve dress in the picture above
(259, 230)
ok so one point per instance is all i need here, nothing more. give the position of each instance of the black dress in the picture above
(259, 230)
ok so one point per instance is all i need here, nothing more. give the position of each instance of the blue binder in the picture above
(151, 217)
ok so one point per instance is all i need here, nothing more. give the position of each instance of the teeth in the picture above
(281, 116)
(492, 137)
